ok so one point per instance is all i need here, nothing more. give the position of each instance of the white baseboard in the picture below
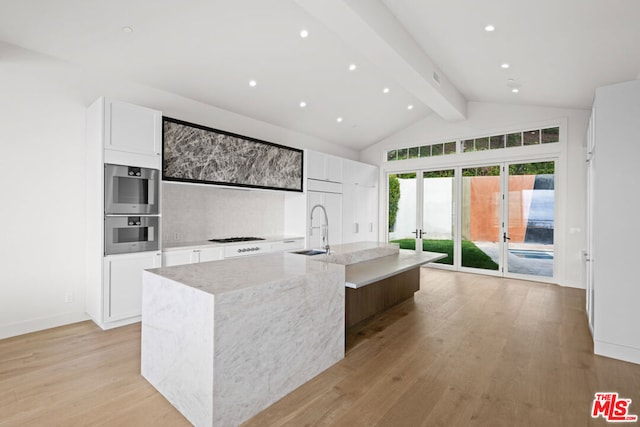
(34, 325)
(615, 351)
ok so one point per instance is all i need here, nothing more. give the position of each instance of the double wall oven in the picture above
(131, 207)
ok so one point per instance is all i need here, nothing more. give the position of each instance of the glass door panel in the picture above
(438, 213)
(531, 218)
(481, 219)
(402, 209)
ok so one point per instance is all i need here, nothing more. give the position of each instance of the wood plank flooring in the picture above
(467, 350)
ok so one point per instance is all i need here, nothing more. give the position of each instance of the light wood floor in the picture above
(468, 350)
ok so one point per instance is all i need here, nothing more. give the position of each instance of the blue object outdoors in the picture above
(541, 220)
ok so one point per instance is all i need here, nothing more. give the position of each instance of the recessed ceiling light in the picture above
(303, 104)
(489, 28)
(252, 83)
(352, 67)
(127, 30)
(410, 107)
(339, 120)
(515, 90)
(304, 34)
(505, 65)
(385, 90)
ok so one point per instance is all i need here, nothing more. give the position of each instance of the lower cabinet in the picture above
(191, 256)
(287, 245)
(204, 254)
(122, 286)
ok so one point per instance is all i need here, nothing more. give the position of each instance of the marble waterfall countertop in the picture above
(237, 274)
(222, 340)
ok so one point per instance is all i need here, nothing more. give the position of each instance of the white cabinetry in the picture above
(360, 202)
(215, 253)
(324, 167)
(123, 134)
(287, 245)
(614, 231)
(191, 256)
(332, 202)
(132, 135)
(123, 284)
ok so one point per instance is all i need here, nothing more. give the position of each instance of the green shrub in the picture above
(473, 256)
(394, 197)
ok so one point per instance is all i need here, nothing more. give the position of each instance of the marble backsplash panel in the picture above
(192, 152)
(193, 213)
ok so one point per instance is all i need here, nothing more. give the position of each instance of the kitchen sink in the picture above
(310, 252)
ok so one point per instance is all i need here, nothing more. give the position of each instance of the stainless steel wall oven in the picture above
(126, 234)
(130, 190)
(131, 209)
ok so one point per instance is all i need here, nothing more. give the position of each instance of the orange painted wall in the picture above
(485, 208)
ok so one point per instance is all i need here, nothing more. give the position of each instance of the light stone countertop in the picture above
(179, 246)
(235, 274)
(366, 262)
(364, 273)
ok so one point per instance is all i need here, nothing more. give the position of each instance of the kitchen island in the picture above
(223, 340)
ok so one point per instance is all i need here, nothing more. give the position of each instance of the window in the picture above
(494, 142)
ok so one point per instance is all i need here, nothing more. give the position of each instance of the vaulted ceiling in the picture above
(412, 58)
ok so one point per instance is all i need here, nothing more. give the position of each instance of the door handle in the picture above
(418, 232)
(504, 237)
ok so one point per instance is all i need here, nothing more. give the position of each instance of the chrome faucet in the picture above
(325, 227)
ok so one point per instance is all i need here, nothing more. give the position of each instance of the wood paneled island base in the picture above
(365, 302)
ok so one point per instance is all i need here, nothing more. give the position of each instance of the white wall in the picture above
(437, 209)
(192, 213)
(486, 119)
(42, 174)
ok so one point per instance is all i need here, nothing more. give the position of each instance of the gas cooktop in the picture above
(236, 239)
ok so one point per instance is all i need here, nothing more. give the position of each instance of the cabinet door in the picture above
(350, 223)
(132, 128)
(332, 202)
(210, 254)
(333, 168)
(315, 165)
(287, 245)
(314, 231)
(172, 258)
(324, 167)
(349, 171)
(368, 213)
(366, 175)
(123, 284)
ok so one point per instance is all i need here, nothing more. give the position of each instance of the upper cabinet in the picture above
(360, 174)
(324, 167)
(132, 135)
